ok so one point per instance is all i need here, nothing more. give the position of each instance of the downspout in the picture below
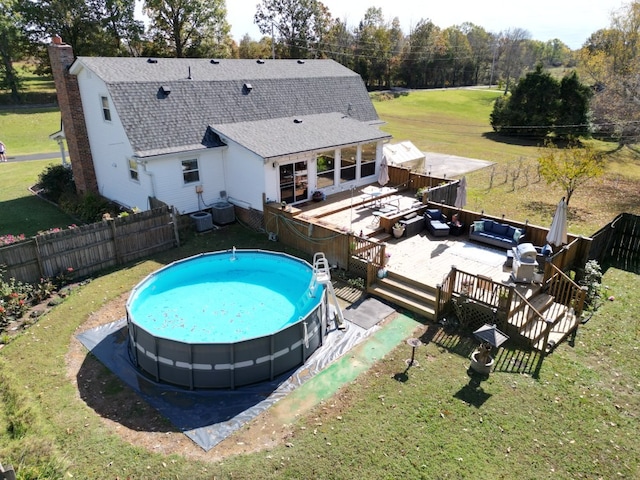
(152, 177)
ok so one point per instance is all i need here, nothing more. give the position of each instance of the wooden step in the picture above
(535, 330)
(407, 293)
(396, 297)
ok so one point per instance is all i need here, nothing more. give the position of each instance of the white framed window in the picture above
(190, 172)
(133, 170)
(106, 111)
(368, 159)
(325, 167)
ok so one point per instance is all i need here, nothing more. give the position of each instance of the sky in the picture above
(572, 21)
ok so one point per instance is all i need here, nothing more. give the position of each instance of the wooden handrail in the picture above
(565, 291)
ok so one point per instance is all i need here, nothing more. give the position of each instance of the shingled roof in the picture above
(167, 104)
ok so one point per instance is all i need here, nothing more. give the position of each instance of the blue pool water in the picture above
(223, 297)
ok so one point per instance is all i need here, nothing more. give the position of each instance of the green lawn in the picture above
(26, 130)
(23, 212)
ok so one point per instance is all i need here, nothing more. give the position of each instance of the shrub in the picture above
(592, 279)
(56, 180)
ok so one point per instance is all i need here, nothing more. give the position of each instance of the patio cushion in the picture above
(488, 225)
(500, 230)
(434, 213)
(478, 226)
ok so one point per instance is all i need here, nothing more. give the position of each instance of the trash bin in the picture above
(202, 221)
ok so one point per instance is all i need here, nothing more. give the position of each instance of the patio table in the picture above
(374, 193)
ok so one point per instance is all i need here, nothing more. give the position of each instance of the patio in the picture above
(422, 257)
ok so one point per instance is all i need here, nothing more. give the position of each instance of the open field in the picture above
(577, 420)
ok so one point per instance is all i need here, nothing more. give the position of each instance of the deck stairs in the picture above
(532, 312)
(531, 316)
(406, 293)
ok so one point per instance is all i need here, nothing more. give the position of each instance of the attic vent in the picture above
(300, 61)
(248, 87)
(214, 61)
(260, 61)
(297, 120)
(152, 60)
(166, 90)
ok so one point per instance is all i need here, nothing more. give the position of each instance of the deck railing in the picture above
(565, 291)
(527, 322)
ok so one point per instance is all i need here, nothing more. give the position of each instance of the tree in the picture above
(572, 118)
(300, 25)
(570, 167)
(12, 48)
(612, 58)
(510, 45)
(540, 105)
(189, 28)
(249, 48)
(99, 27)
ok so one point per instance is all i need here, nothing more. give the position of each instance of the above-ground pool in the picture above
(226, 319)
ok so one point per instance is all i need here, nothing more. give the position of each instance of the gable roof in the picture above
(290, 135)
(166, 105)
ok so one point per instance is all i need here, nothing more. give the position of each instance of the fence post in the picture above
(38, 257)
(174, 219)
(114, 235)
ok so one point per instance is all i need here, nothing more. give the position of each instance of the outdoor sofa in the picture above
(496, 234)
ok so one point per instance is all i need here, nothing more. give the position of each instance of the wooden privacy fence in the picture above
(618, 244)
(88, 249)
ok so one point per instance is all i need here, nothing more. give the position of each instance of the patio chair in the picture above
(436, 222)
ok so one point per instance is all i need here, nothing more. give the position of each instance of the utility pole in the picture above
(273, 43)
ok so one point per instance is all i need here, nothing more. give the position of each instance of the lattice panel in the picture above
(357, 267)
(473, 315)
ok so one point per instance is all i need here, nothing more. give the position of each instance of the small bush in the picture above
(592, 279)
(56, 180)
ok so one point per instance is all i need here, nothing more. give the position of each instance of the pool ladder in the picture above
(322, 276)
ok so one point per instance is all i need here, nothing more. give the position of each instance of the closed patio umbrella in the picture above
(383, 176)
(461, 193)
(558, 232)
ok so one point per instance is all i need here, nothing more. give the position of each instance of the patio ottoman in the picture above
(412, 225)
(438, 228)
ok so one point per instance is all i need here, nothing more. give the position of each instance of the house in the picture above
(190, 131)
(404, 154)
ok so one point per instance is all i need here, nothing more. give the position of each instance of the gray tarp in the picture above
(208, 416)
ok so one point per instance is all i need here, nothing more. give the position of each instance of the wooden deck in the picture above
(426, 260)
(422, 257)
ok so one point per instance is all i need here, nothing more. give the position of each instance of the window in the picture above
(368, 160)
(190, 171)
(106, 112)
(133, 170)
(348, 161)
(326, 165)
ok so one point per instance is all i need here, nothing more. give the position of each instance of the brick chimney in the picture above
(61, 57)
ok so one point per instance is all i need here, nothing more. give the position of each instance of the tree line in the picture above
(426, 57)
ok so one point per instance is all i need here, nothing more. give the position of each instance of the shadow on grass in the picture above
(508, 140)
(507, 359)
(473, 393)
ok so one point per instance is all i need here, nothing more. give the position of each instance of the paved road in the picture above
(35, 156)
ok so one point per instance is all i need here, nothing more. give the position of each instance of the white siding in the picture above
(109, 147)
(246, 177)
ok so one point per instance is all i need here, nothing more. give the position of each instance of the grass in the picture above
(577, 420)
(22, 211)
(26, 130)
